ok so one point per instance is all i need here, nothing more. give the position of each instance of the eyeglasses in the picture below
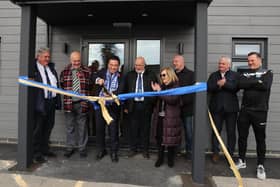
(162, 75)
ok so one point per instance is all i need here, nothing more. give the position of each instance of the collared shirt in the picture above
(51, 76)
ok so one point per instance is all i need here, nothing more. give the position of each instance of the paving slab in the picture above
(247, 182)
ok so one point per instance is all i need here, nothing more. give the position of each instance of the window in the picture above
(150, 50)
(240, 49)
(101, 51)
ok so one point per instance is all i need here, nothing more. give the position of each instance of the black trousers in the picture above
(113, 130)
(44, 123)
(258, 122)
(139, 128)
(230, 119)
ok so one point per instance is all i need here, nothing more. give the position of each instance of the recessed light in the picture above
(144, 14)
(90, 15)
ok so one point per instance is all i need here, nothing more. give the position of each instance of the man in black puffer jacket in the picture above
(256, 83)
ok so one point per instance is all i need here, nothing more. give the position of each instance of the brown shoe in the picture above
(215, 157)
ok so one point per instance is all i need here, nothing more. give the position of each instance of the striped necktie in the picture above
(48, 82)
(76, 81)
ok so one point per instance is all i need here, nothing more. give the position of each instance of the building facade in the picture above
(234, 27)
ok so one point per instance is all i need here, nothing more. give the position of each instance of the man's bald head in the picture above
(75, 59)
(178, 62)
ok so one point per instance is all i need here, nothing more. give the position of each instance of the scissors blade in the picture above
(106, 91)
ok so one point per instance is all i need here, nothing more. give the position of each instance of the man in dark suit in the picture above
(108, 81)
(222, 87)
(140, 109)
(45, 104)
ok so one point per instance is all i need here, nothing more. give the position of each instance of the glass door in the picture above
(98, 51)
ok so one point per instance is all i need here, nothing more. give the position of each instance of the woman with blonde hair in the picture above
(167, 119)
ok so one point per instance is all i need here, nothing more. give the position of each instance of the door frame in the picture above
(87, 40)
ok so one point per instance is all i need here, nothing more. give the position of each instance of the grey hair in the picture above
(42, 50)
(141, 57)
(228, 59)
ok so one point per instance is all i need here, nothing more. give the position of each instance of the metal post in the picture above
(26, 98)
(200, 113)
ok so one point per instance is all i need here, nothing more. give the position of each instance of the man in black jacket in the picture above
(108, 81)
(186, 78)
(45, 104)
(140, 109)
(222, 86)
(256, 83)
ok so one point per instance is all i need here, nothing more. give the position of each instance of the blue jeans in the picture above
(188, 127)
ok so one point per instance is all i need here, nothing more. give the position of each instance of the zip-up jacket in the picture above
(256, 85)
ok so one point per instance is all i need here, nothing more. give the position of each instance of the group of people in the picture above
(161, 118)
(223, 86)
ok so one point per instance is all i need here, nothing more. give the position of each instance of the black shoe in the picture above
(146, 154)
(101, 154)
(170, 156)
(69, 153)
(170, 163)
(83, 154)
(39, 159)
(159, 162)
(50, 154)
(114, 157)
(132, 153)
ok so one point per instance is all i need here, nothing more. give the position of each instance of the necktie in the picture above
(76, 81)
(139, 83)
(139, 86)
(48, 82)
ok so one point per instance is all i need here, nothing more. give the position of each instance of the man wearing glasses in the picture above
(139, 109)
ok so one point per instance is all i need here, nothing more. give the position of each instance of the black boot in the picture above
(160, 159)
(170, 156)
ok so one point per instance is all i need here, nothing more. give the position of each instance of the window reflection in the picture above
(150, 50)
(101, 52)
(244, 49)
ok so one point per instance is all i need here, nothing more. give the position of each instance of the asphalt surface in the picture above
(131, 171)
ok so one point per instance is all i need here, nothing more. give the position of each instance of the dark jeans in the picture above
(188, 127)
(44, 123)
(76, 128)
(140, 125)
(230, 119)
(258, 122)
(113, 130)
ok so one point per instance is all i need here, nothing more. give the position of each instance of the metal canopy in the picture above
(86, 12)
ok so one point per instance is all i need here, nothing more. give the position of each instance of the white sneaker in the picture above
(240, 164)
(261, 172)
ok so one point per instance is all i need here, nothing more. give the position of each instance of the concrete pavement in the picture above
(136, 171)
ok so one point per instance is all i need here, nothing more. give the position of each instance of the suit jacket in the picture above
(129, 85)
(39, 93)
(224, 98)
(102, 74)
(113, 107)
